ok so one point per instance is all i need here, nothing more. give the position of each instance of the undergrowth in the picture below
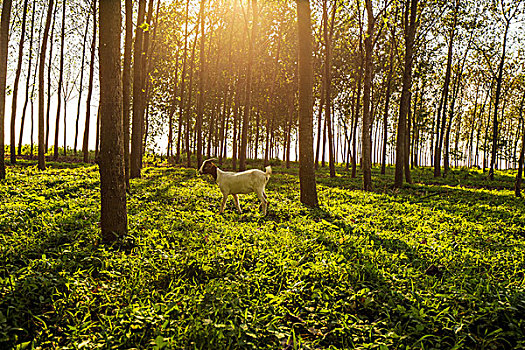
(436, 265)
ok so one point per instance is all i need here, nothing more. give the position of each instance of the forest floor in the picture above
(437, 264)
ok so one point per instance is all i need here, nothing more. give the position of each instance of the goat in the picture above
(243, 182)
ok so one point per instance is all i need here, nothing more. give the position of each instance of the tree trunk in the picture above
(15, 86)
(442, 117)
(50, 65)
(146, 48)
(28, 80)
(327, 90)
(97, 136)
(248, 91)
(126, 84)
(410, 33)
(408, 176)
(305, 72)
(387, 97)
(367, 90)
(496, 104)
(188, 109)
(519, 175)
(60, 80)
(169, 152)
(202, 76)
(4, 42)
(41, 134)
(183, 83)
(85, 145)
(138, 95)
(81, 85)
(113, 216)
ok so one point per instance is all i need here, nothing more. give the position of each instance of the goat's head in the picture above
(208, 167)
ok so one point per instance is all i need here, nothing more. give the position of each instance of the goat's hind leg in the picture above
(264, 202)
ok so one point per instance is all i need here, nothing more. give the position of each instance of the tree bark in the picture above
(4, 45)
(15, 86)
(183, 83)
(327, 90)
(126, 84)
(85, 145)
(248, 91)
(367, 90)
(138, 95)
(519, 175)
(28, 79)
(495, 123)
(60, 80)
(113, 216)
(442, 116)
(81, 84)
(41, 125)
(50, 64)
(387, 97)
(410, 33)
(305, 71)
(200, 103)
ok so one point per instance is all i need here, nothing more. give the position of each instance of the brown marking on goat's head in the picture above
(208, 167)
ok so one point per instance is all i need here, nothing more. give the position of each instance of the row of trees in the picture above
(424, 82)
(219, 80)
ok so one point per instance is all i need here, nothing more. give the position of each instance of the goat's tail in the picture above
(268, 172)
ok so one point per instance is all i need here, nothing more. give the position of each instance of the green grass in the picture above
(438, 264)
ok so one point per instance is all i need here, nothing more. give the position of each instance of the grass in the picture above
(436, 265)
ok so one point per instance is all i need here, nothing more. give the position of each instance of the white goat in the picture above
(235, 183)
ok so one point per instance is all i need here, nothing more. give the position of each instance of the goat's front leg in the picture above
(236, 200)
(223, 204)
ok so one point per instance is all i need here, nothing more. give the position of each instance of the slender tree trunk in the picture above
(15, 86)
(202, 77)
(519, 175)
(408, 176)
(367, 90)
(319, 124)
(50, 65)
(442, 117)
(28, 80)
(41, 125)
(327, 91)
(404, 106)
(472, 123)
(4, 45)
(60, 80)
(248, 91)
(138, 95)
(146, 48)
(85, 143)
(126, 84)
(387, 98)
(305, 72)
(170, 121)
(81, 85)
(113, 216)
(188, 109)
(271, 121)
(496, 105)
(183, 83)
(97, 136)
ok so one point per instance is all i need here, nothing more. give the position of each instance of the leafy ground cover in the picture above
(437, 265)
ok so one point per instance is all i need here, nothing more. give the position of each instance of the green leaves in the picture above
(353, 274)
